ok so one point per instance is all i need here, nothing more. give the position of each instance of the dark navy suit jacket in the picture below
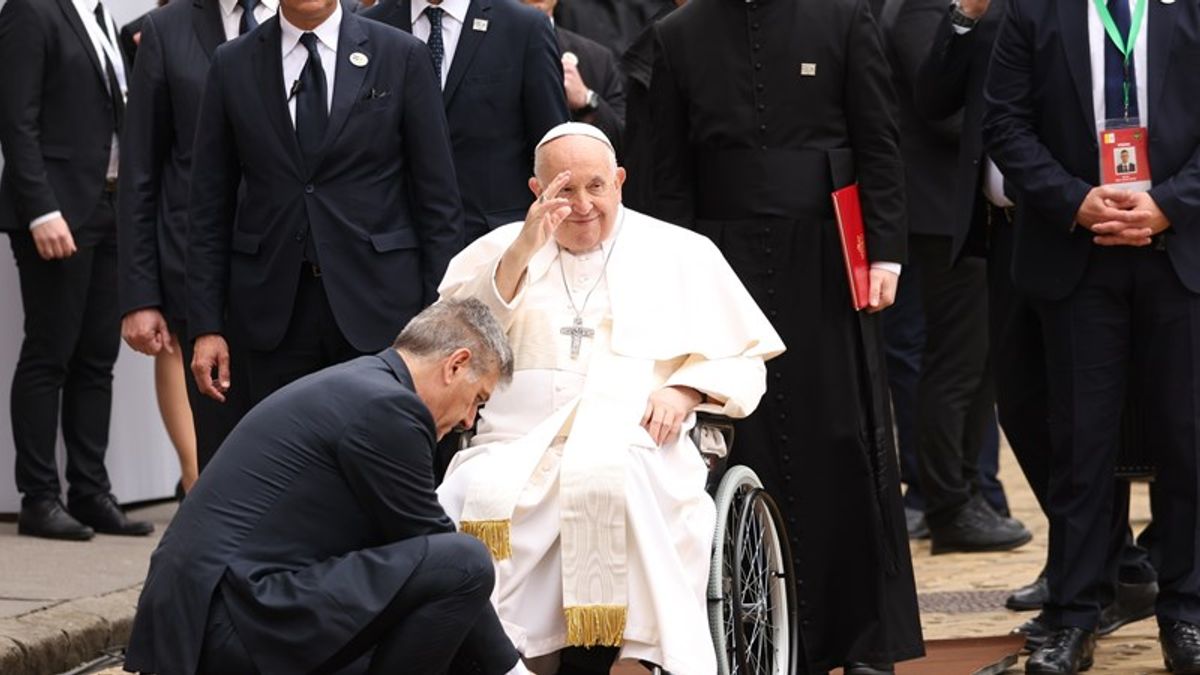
(165, 92)
(504, 91)
(380, 200)
(1040, 129)
(308, 513)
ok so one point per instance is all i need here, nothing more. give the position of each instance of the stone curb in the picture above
(63, 636)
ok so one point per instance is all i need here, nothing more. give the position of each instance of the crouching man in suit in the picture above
(314, 542)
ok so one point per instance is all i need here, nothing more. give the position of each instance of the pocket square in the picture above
(376, 94)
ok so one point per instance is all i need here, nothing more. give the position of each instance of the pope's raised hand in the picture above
(546, 214)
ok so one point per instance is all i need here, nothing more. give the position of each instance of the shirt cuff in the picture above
(892, 267)
(44, 219)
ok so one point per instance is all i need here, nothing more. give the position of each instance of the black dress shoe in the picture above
(1181, 647)
(103, 515)
(1031, 597)
(1035, 630)
(917, 527)
(47, 518)
(976, 528)
(1134, 602)
(869, 669)
(1067, 651)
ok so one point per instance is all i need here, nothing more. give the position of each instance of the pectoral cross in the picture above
(577, 333)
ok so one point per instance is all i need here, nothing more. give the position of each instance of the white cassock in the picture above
(664, 309)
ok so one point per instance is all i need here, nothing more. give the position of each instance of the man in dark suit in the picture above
(156, 160)
(591, 79)
(1125, 165)
(954, 399)
(61, 105)
(952, 79)
(502, 86)
(349, 211)
(315, 539)
(1115, 278)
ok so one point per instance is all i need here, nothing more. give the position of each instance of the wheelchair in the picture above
(751, 591)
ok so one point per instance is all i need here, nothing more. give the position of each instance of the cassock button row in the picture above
(761, 107)
(759, 86)
(758, 66)
(757, 46)
(754, 26)
(786, 457)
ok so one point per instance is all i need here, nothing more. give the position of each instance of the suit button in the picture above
(786, 457)
(760, 86)
(309, 189)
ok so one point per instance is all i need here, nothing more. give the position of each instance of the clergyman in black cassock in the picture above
(756, 105)
(314, 541)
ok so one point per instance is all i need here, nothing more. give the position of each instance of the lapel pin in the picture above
(570, 58)
(479, 25)
(359, 59)
(808, 69)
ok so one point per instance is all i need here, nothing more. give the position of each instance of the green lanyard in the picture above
(1124, 44)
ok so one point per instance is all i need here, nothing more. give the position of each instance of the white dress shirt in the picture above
(1097, 43)
(104, 41)
(231, 14)
(453, 20)
(295, 55)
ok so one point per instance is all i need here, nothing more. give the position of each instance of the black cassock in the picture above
(759, 109)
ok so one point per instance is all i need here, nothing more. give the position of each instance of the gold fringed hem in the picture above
(495, 534)
(595, 625)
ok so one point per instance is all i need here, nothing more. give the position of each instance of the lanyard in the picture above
(1124, 44)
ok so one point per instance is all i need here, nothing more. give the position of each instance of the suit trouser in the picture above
(904, 342)
(212, 419)
(1129, 317)
(434, 624)
(313, 341)
(950, 422)
(1019, 363)
(72, 336)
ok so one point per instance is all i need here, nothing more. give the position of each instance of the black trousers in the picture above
(212, 419)
(72, 336)
(435, 624)
(1129, 318)
(313, 341)
(954, 391)
(1018, 355)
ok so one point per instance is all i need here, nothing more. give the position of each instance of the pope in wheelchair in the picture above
(582, 479)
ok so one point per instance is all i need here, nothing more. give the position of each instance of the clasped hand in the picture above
(665, 411)
(1120, 217)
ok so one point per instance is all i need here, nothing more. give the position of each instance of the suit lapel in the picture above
(72, 15)
(468, 44)
(401, 15)
(1163, 19)
(268, 70)
(1073, 21)
(347, 77)
(206, 20)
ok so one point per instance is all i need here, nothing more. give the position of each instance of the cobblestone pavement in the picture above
(963, 595)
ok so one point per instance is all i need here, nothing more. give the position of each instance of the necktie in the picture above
(110, 73)
(436, 46)
(1114, 66)
(312, 115)
(248, 22)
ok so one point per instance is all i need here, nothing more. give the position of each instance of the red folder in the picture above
(854, 244)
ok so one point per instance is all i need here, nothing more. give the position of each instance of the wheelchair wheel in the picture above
(751, 598)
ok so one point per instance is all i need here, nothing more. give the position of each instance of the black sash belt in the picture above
(747, 184)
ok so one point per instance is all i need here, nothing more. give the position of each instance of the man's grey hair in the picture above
(448, 325)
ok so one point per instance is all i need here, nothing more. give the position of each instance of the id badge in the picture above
(1124, 160)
